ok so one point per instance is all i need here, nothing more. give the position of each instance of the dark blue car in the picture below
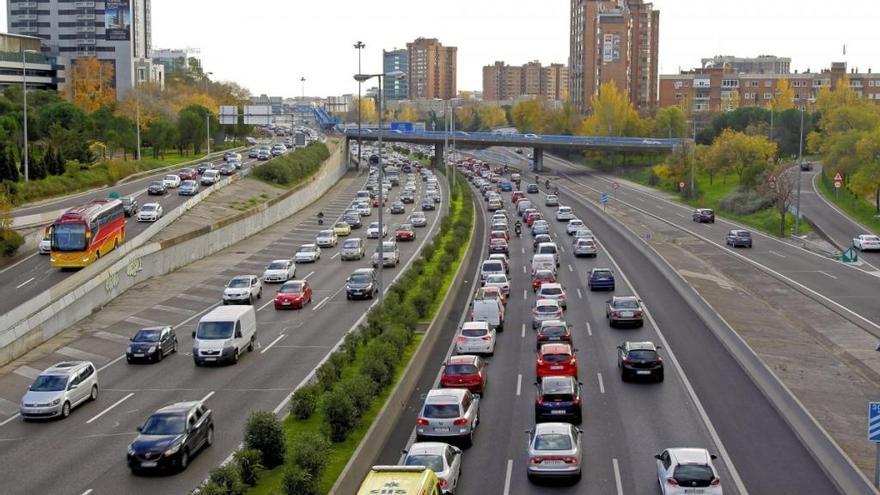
(506, 186)
(601, 279)
(559, 399)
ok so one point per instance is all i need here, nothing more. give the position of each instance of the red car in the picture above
(187, 174)
(498, 246)
(405, 232)
(517, 195)
(498, 234)
(464, 371)
(535, 215)
(556, 360)
(294, 294)
(542, 277)
(375, 201)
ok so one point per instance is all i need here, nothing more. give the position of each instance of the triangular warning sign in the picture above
(838, 177)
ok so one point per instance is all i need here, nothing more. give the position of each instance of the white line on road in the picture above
(9, 419)
(518, 384)
(617, 481)
(87, 492)
(207, 396)
(525, 295)
(105, 411)
(524, 269)
(309, 275)
(682, 216)
(335, 255)
(317, 306)
(562, 248)
(270, 301)
(580, 294)
(589, 330)
(570, 268)
(31, 256)
(273, 343)
(507, 476)
(19, 286)
(523, 250)
(523, 333)
(777, 254)
(111, 363)
(828, 274)
(601, 384)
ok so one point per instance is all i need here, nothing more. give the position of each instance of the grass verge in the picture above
(857, 207)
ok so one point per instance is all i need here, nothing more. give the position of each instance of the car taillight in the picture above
(487, 337)
(422, 422)
(570, 460)
(460, 422)
(540, 362)
(615, 313)
(442, 483)
(577, 402)
(540, 401)
(715, 482)
(627, 361)
(637, 314)
(461, 339)
(535, 311)
(536, 460)
(672, 481)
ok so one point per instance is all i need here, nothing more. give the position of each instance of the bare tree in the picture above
(780, 184)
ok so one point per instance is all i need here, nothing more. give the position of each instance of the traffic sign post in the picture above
(681, 185)
(874, 436)
(838, 182)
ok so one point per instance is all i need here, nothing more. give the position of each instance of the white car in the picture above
(442, 458)
(564, 213)
(279, 271)
(475, 337)
(149, 212)
(45, 246)
(172, 181)
(684, 471)
(364, 209)
(326, 238)
(373, 230)
(530, 136)
(498, 280)
(867, 242)
(307, 253)
(574, 225)
(551, 200)
(243, 289)
(552, 291)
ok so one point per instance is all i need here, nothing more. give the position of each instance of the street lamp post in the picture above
(207, 116)
(797, 216)
(137, 114)
(24, 99)
(359, 46)
(302, 81)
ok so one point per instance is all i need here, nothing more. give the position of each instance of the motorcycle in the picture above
(517, 230)
(321, 218)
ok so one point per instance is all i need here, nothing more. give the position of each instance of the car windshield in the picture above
(388, 247)
(626, 304)
(494, 266)
(348, 244)
(171, 177)
(324, 233)
(686, 473)
(551, 291)
(49, 383)
(743, 233)
(642, 355)
(147, 336)
(496, 279)
(214, 330)
(474, 332)
(308, 249)
(157, 183)
(127, 201)
(601, 274)
(239, 283)
(547, 308)
(341, 225)
(405, 227)
(69, 237)
(553, 330)
(148, 207)
(277, 265)
(552, 441)
(460, 369)
(556, 385)
(556, 358)
(188, 183)
(291, 288)
(441, 411)
(360, 278)
(164, 424)
(432, 462)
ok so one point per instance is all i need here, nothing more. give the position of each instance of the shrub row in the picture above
(10, 241)
(292, 168)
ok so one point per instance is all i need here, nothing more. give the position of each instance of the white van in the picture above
(544, 262)
(489, 310)
(491, 266)
(223, 334)
(549, 248)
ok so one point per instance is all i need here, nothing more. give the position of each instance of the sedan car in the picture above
(342, 229)
(465, 371)
(545, 309)
(157, 188)
(442, 458)
(552, 290)
(307, 253)
(554, 451)
(326, 238)
(500, 281)
(397, 208)
(639, 360)
(188, 188)
(743, 238)
(294, 294)
(171, 436)
(475, 337)
(279, 271)
(556, 360)
(405, 232)
(373, 230)
(682, 471)
(600, 279)
(172, 181)
(703, 215)
(149, 212)
(573, 225)
(585, 246)
(187, 174)
(499, 246)
(428, 204)
(532, 189)
(151, 344)
(624, 310)
(551, 200)
(559, 399)
(867, 242)
(418, 219)
(353, 219)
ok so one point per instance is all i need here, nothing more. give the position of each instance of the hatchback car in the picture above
(540, 227)
(353, 219)
(553, 331)
(294, 294)
(307, 253)
(539, 239)
(544, 310)
(243, 289)
(342, 229)
(532, 188)
(682, 471)
(428, 204)
(556, 359)
(585, 247)
(564, 213)
(151, 344)
(554, 451)
(703, 215)
(150, 212)
(449, 413)
(552, 290)
(465, 371)
(600, 279)
(361, 284)
(352, 249)
(188, 188)
(405, 232)
(279, 271)
(157, 188)
(867, 242)
(559, 399)
(171, 436)
(499, 246)
(475, 337)
(624, 310)
(373, 230)
(742, 238)
(484, 293)
(397, 208)
(573, 225)
(418, 219)
(59, 389)
(639, 360)
(442, 458)
(542, 277)
(551, 200)
(326, 238)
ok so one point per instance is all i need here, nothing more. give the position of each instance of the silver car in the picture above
(554, 451)
(352, 249)
(585, 246)
(545, 310)
(449, 413)
(442, 458)
(59, 389)
(418, 219)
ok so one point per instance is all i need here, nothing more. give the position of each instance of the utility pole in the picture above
(207, 116)
(797, 216)
(24, 124)
(381, 204)
(694, 163)
(359, 46)
(137, 114)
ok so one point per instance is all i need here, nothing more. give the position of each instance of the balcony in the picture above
(85, 29)
(29, 30)
(26, 5)
(26, 17)
(85, 17)
(86, 42)
(84, 5)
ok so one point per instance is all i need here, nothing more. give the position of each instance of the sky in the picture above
(268, 45)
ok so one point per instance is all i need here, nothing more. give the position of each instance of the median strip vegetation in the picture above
(291, 169)
(306, 452)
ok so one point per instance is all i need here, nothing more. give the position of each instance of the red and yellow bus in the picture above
(85, 233)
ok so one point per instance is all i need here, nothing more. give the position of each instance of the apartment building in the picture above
(395, 60)
(510, 82)
(432, 70)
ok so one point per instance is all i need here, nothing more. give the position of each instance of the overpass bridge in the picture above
(537, 142)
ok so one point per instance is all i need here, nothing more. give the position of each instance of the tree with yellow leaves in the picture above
(91, 83)
(408, 114)
(730, 101)
(612, 115)
(784, 97)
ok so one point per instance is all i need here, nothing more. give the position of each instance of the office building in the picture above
(503, 82)
(395, 60)
(613, 40)
(115, 31)
(432, 70)
(174, 61)
(762, 64)
(43, 72)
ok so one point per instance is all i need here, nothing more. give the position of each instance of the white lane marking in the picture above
(682, 216)
(309, 275)
(580, 294)
(617, 481)
(207, 396)
(10, 267)
(87, 492)
(335, 255)
(827, 274)
(562, 248)
(524, 269)
(523, 250)
(525, 294)
(507, 476)
(105, 411)
(523, 333)
(193, 317)
(173, 309)
(570, 268)
(589, 330)
(19, 286)
(317, 306)
(273, 343)
(143, 322)
(111, 363)
(777, 254)
(601, 384)
(518, 384)
(267, 303)
(9, 419)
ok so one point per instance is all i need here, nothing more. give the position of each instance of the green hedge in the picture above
(292, 168)
(10, 241)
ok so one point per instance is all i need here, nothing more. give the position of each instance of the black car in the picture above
(703, 215)
(552, 332)
(739, 238)
(157, 188)
(353, 220)
(151, 344)
(806, 166)
(361, 284)
(227, 169)
(559, 399)
(639, 360)
(253, 153)
(171, 436)
(407, 198)
(397, 208)
(129, 205)
(532, 188)
(539, 239)
(427, 204)
(204, 166)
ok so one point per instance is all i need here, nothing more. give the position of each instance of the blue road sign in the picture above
(604, 198)
(874, 421)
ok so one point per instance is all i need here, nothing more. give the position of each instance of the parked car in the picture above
(465, 371)
(624, 310)
(188, 188)
(59, 389)
(742, 238)
(639, 360)
(293, 294)
(448, 413)
(157, 188)
(242, 289)
(601, 279)
(279, 271)
(307, 253)
(442, 458)
(554, 451)
(150, 212)
(682, 471)
(151, 344)
(703, 215)
(171, 436)
(559, 399)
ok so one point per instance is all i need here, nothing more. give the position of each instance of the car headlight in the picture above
(131, 450)
(172, 450)
(56, 402)
(85, 259)
(152, 349)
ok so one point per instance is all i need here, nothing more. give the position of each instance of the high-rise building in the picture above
(509, 82)
(395, 60)
(174, 60)
(613, 40)
(762, 64)
(432, 70)
(42, 72)
(116, 31)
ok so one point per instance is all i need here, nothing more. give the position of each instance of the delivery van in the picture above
(223, 334)
(400, 480)
(489, 310)
(544, 262)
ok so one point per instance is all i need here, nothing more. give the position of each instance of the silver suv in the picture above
(59, 389)
(449, 413)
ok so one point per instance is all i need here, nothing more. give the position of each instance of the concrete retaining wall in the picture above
(137, 260)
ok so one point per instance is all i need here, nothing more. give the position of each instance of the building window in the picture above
(768, 84)
(768, 96)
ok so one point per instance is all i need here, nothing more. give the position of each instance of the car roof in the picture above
(463, 359)
(65, 367)
(689, 455)
(362, 270)
(552, 428)
(546, 302)
(550, 285)
(178, 407)
(615, 299)
(475, 324)
(552, 323)
(601, 269)
(429, 448)
(640, 346)
(280, 261)
(444, 395)
(556, 349)
(567, 381)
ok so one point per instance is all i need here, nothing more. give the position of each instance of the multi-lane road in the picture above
(85, 453)
(707, 400)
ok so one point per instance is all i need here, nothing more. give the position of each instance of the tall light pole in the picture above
(694, 163)
(797, 217)
(302, 81)
(207, 115)
(360, 45)
(24, 107)
(137, 113)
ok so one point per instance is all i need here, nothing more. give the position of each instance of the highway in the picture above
(85, 453)
(705, 401)
(33, 275)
